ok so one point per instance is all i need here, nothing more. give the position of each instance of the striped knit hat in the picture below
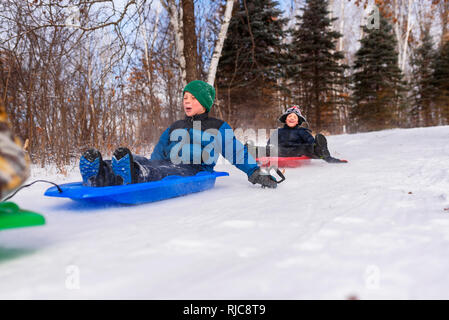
(295, 110)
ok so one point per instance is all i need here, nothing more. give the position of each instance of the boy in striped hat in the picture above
(295, 138)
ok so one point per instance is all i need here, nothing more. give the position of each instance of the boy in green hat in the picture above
(185, 148)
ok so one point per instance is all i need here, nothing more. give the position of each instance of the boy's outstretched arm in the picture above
(237, 154)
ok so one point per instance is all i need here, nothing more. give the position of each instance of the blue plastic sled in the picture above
(169, 187)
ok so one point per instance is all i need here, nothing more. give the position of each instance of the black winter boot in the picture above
(334, 160)
(321, 149)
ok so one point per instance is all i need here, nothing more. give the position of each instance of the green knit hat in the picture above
(203, 92)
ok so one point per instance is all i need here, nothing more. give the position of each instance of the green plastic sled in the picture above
(11, 216)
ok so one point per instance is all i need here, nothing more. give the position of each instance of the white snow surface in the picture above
(375, 228)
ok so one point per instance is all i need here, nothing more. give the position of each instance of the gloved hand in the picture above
(266, 180)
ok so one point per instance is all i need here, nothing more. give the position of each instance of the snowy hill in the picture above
(375, 228)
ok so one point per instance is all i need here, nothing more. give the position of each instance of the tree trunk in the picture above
(220, 41)
(444, 14)
(330, 8)
(342, 26)
(177, 25)
(93, 123)
(190, 45)
(397, 29)
(407, 36)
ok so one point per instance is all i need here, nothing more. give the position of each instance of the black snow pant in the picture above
(146, 170)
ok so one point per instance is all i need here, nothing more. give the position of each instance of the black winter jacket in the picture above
(294, 141)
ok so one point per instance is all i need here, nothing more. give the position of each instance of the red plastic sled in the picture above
(283, 162)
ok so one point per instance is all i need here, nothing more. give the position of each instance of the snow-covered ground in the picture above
(375, 228)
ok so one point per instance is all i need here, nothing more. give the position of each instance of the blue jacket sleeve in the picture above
(235, 152)
(161, 151)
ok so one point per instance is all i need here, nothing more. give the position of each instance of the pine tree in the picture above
(377, 80)
(317, 70)
(422, 79)
(251, 63)
(441, 82)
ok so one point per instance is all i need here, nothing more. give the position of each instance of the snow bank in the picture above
(374, 228)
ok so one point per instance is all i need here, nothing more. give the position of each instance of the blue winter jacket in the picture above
(199, 140)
